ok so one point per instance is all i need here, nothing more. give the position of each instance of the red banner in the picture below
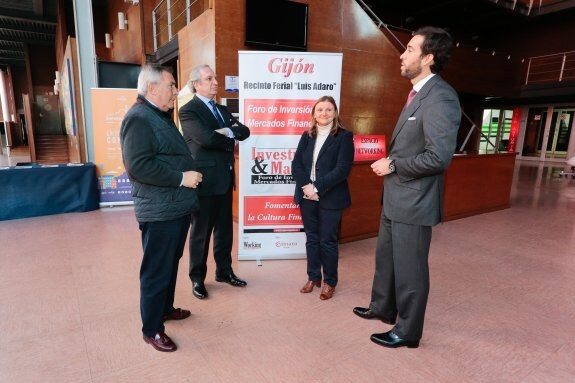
(277, 116)
(514, 130)
(271, 210)
(369, 147)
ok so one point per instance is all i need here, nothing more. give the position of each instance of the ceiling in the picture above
(34, 21)
(470, 20)
(25, 22)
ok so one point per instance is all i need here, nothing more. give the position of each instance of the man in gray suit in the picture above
(421, 148)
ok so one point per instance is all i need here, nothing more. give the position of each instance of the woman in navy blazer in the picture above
(320, 167)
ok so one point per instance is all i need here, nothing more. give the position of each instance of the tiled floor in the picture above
(17, 154)
(501, 308)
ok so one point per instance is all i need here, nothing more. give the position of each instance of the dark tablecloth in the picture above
(37, 190)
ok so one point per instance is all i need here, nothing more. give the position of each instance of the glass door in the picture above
(495, 130)
(559, 133)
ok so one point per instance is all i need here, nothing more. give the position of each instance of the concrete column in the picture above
(522, 130)
(546, 133)
(87, 66)
(5, 112)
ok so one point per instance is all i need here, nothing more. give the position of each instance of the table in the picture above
(473, 184)
(36, 190)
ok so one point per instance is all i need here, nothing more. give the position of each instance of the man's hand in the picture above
(192, 179)
(381, 167)
(314, 197)
(310, 193)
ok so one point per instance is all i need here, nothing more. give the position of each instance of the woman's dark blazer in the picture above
(333, 165)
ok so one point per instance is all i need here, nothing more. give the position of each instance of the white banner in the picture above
(277, 93)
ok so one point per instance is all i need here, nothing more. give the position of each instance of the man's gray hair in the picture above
(195, 75)
(150, 74)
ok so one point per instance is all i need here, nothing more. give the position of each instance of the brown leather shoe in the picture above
(326, 292)
(161, 342)
(308, 287)
(177, 314)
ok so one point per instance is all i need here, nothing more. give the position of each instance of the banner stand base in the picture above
(259, 261)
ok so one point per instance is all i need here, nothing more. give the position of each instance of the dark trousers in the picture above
(215, 215)
(401, 280)
(163, 243)
(321, 228)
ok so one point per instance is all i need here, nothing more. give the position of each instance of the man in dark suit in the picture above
(421, 149)
(211, 133)
(159, 165)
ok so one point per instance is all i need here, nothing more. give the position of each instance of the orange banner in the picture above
(109, 106)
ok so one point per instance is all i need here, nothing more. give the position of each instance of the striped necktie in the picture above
(217, 114)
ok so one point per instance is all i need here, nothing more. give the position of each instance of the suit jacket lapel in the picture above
(410, 110)
(206, 112)
(328, 142)
(311, 146)
(405, 114)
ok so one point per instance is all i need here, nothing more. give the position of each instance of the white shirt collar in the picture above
(417, 87)
(205, 99)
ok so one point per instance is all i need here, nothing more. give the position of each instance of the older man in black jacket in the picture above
(159, 165)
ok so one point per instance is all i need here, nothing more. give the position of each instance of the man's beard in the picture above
(411, 73)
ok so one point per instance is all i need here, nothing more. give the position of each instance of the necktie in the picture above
(217, 114)
(410, 97)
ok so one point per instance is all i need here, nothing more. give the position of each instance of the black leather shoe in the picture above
(232, 279)
(366, 313)
(390, 339)
(199, 290)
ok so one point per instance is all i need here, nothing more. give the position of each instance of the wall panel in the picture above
(127, 45)
(197, 45)
(372, 88)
